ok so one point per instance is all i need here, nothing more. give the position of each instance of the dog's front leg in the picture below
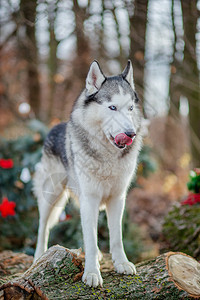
(89, 208)
(115, 209)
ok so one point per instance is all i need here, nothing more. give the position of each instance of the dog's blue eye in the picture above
(131, 107)
(112, 107)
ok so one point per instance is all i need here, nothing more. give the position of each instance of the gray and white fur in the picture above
(81, 158)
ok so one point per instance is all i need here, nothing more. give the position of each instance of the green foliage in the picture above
(180, 229)
(68, 233)
(146, 162)
(19, 231)
(194, 183)
(146, 165)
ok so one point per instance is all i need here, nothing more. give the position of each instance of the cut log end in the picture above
(185, 272)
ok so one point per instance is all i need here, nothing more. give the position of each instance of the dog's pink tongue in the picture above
(122, 139)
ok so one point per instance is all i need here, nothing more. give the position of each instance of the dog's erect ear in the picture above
(128, 74)
(94, 79)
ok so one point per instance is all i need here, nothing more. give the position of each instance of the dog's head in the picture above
(112, 104)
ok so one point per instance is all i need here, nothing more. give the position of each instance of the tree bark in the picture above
(174, 84)
(191, 76)
(81, 58)
(52, 59)
(29, 52)
(57, 274)
(138, 24)
(83, 53)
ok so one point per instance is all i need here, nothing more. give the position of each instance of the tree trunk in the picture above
(174, 85)
(191, 76)
(52, 59)
(83, 53)
(29, 52)
(57, 274)
(138, 23)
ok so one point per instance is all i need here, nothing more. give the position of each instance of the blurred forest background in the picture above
(46, 48)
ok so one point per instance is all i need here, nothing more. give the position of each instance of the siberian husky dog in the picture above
(92, 156)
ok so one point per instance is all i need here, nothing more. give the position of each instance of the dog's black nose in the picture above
(130, 134)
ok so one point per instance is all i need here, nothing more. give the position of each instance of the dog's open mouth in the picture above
(121, 140)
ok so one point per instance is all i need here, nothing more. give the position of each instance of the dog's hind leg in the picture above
(52, 197)
(49, 216)
(43, 232)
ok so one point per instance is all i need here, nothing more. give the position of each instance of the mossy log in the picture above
(57, 275)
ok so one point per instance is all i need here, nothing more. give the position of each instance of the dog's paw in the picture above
(127, 268)
(92, 279)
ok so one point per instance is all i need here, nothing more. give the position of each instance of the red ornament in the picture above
(6, 163)
(7, 208)
(191, 199)
(68, 217)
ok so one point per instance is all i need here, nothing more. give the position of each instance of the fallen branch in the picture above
(57, 275)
